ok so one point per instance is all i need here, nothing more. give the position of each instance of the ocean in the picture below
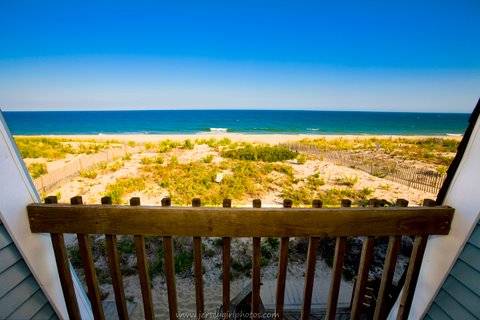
(235, 121)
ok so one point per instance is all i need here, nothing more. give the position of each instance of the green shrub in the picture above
(347, 181)
(147, 160)
(330, 197)
(314, 181)
(301, 159)
(116, 165)
(157, 264)
(260, 153)
(183, 261)
(48, 148)
(88, 173)
(187, 144)
(73, 252)
(208, 159)
(37, 169)
(126, 245)
(122, 187)
(166, 145)
(197, 179)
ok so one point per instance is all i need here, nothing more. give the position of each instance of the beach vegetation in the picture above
(241, 180)
(48, 148)
(126, 245)
(166, 145)
(214, 143)
(432, 150)
(115, 165)
(188, 144)
(173, 160)
(442, 169)
(348, 181)
(89, 173)
(37, 169)
(304, 195)
(122, 187)
(264, 153)
(56, 148)
(147, 160)
(208, 159)
(301, 158)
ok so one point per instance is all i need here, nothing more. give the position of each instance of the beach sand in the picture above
(93, 189)
(242, 137)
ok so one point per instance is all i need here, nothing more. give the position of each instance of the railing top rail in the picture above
(239, 222)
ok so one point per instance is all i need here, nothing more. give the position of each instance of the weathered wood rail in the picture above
(228, 222)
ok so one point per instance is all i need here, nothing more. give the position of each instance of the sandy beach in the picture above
(242, 137)
(133, 166)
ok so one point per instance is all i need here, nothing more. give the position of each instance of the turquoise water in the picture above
(239, 121)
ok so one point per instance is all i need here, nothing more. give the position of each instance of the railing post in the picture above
(363, 269)
(197, 257)
(383, 303)
(114, 265)
(142, 266)
(170, 270)
(256, 256)
(89, 268)
(414, 265)
(63, 267)
(282, 269)
(337, 269)
(226, 241)
(310, 270)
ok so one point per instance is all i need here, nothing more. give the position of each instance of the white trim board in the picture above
(442, 251)
(16, 191)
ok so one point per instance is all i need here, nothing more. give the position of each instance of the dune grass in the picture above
(37, 169)
(123, 186)
(241, 179)
(439, 151)
(265, 153)
(57, 148)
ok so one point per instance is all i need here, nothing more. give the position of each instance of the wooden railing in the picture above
(196, 221)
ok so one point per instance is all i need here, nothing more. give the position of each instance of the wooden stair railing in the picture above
(227, 222)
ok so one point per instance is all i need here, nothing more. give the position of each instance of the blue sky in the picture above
(351, 55)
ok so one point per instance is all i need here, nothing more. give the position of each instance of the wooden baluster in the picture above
(197, 257)
(142, 266)
(282, 269)
(414, 265)
(63, 267)
(337, 270)
(310, 270)
(170, 270)
(388, 271)
(257, 203)
(362, 276)
(89, 268)
(114, 264)
(227, 203)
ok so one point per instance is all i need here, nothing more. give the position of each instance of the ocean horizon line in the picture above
(225, 109)
(235, 121)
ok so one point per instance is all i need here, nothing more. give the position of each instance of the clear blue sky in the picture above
(351, 55)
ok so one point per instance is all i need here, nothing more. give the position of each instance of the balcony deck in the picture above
(227, 222)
